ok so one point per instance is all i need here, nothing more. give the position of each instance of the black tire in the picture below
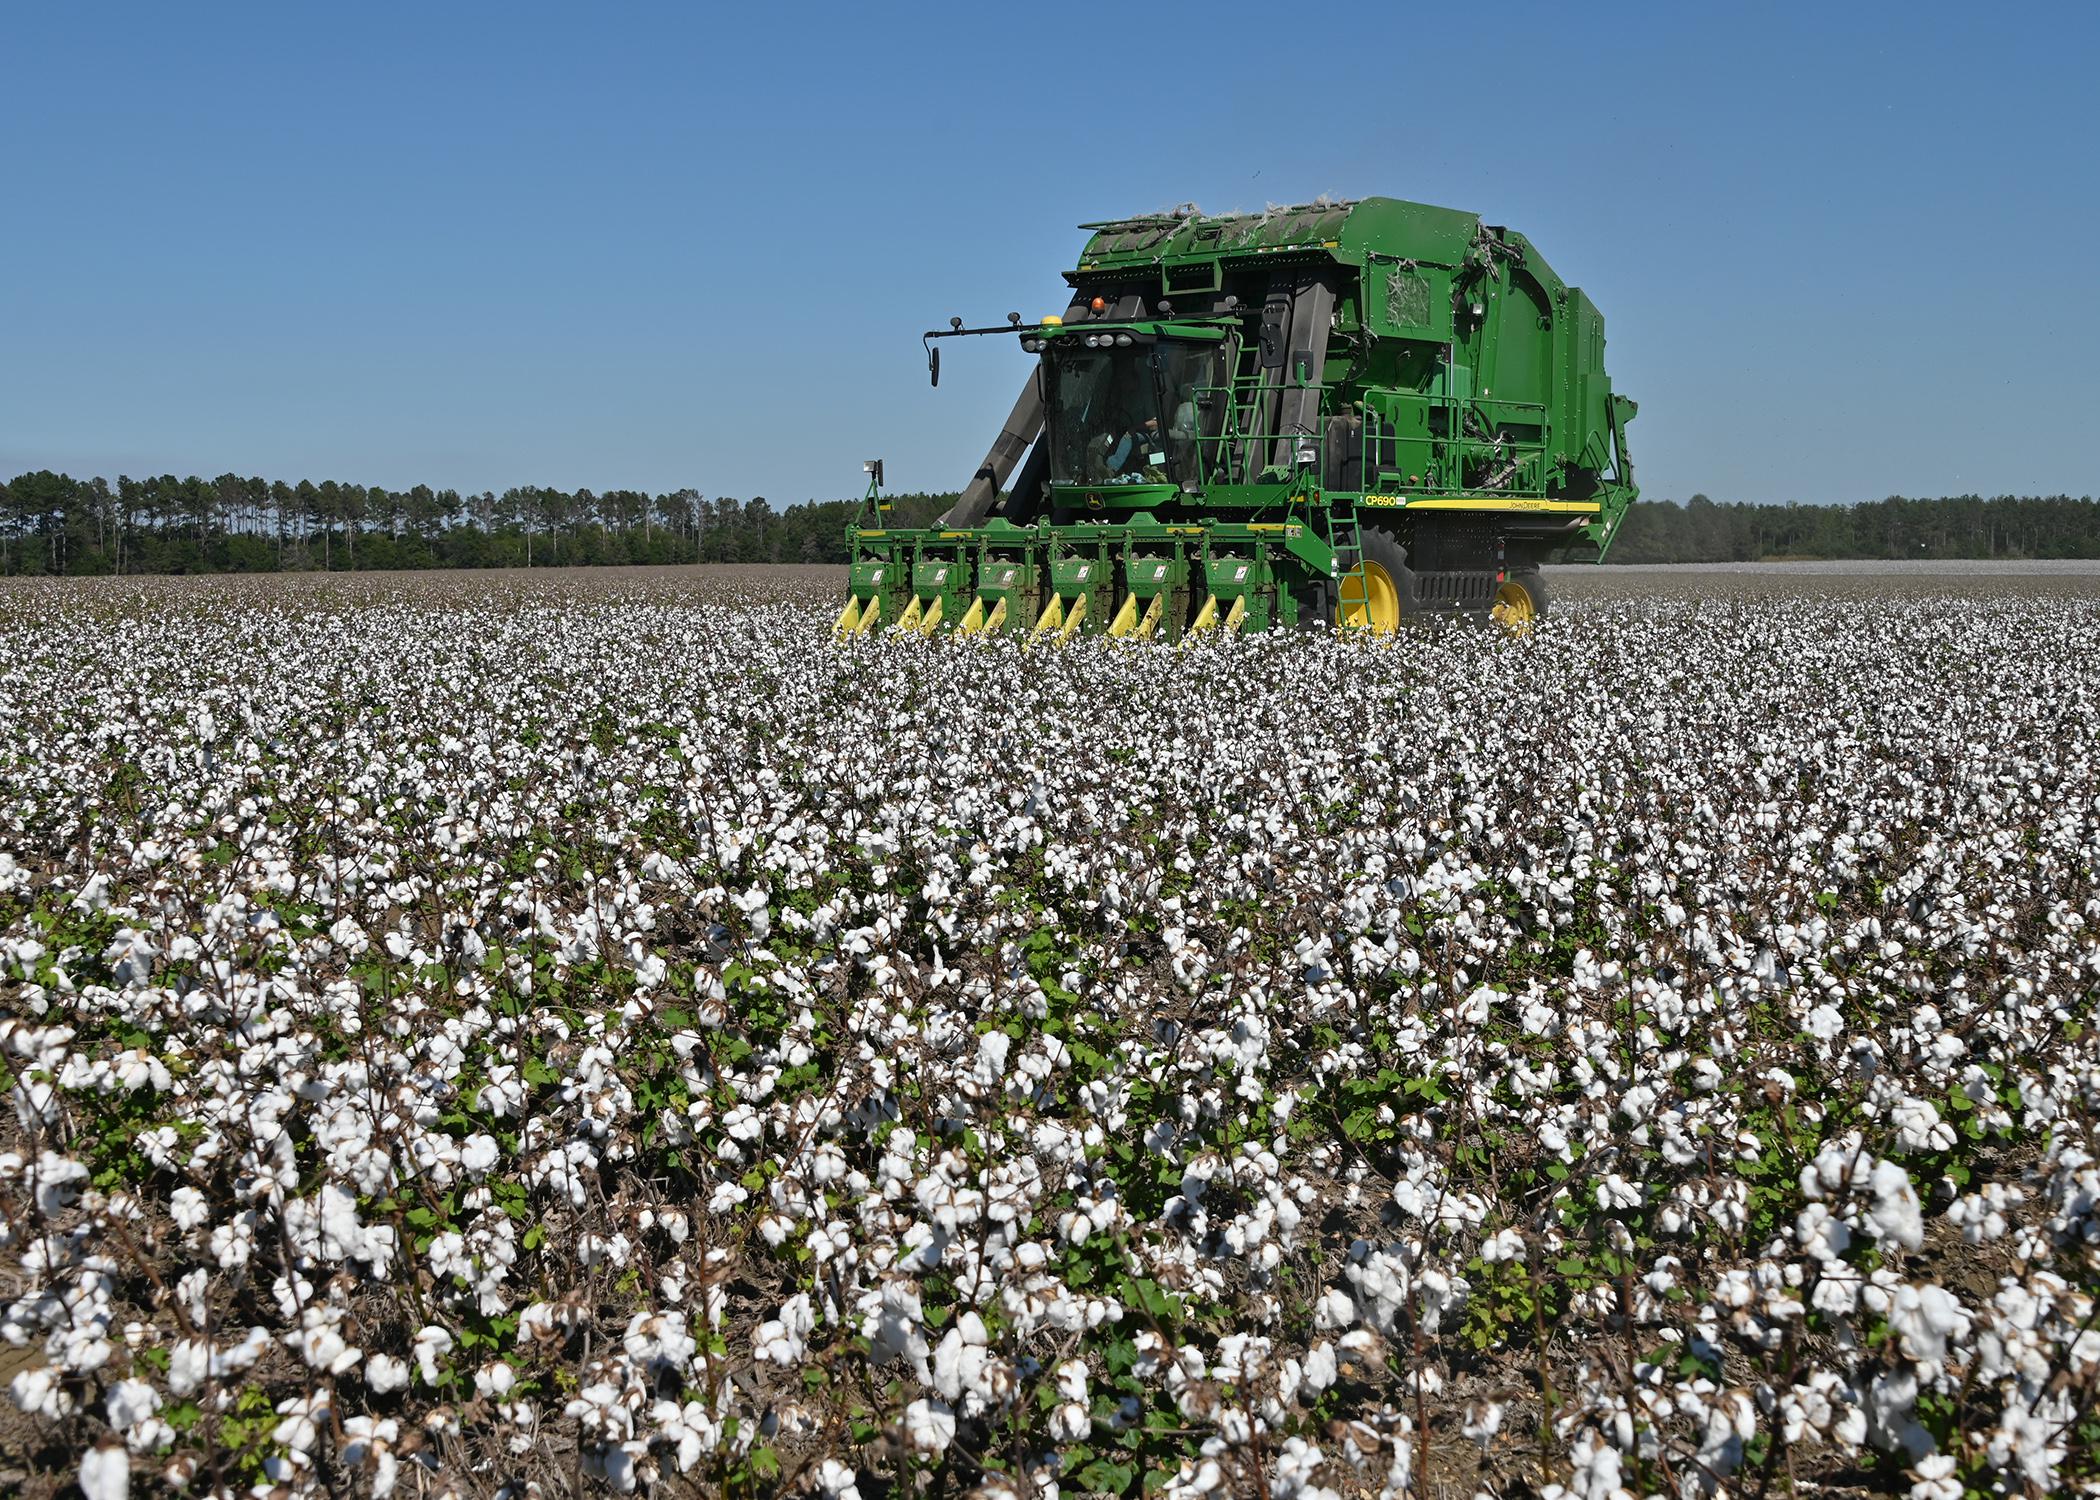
(1383, 548)
(1534, 583)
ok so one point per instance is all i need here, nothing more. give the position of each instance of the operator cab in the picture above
(1131, 405)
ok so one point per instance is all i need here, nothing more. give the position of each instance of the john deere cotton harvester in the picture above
(1359, 412)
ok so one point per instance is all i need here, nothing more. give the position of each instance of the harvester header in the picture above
(1356, 412)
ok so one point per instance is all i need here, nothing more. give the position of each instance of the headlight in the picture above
(1122, 341)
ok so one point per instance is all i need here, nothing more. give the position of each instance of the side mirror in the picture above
(933, 363)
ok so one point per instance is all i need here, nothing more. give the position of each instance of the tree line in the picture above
(55, 524)
(1955, 527)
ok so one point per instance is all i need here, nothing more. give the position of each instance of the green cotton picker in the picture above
(1358, 412)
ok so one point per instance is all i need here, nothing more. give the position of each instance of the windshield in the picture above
(1131, 415)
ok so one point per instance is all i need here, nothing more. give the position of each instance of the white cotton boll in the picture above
(431, 1344)
(1502, 1245)
(1822, 1235)
(615, 1466)
(325, 1349)
(189, 1362)
(94, 896)
(303, 1417)
(39, 1392)
(59, 1180)
(1615, 1192)
(1925, 1318)
(1335, 1309)
(130, 1402)
(105, 1473)
(1069, 1422)
(1919, 1127)
(478, 1154)
(1836, 1293)
(1320, 1367)
(947, 1366)
(495, 1380)
(1072, 1379)
(836, 1481)
(1936, 1478)
(1895, 1216)
(189, 1208)
(231, 1245)
(726, 1196)
(929, 1426)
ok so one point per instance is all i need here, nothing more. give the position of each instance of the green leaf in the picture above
(1109, 1478)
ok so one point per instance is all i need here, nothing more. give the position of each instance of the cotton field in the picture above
(497, 1036)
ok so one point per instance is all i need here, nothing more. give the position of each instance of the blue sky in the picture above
(1841, 251)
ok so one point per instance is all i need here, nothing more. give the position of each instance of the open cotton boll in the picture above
(105, 1473)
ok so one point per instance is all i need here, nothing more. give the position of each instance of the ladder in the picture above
(1249, 397)
(1352, 590)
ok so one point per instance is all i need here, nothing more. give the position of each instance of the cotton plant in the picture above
(467, 1022)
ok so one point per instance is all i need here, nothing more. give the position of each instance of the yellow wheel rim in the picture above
(1514, 609)
(1375, 606)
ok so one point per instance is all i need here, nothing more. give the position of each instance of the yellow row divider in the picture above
(909, 620)
(867, 616)
(931, 621)
(1053, 615)
(1206, 617)
(1126, 617)
(973, 618)
(1237, 615)
(849, 617)
(1154, 613)
(1078, 613)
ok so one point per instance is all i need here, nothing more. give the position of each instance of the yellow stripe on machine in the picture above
(1556, 507)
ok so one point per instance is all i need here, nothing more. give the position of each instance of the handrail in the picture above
(1234, 451)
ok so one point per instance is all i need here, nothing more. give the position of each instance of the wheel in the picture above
(1520, 599)
(1388, 588)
